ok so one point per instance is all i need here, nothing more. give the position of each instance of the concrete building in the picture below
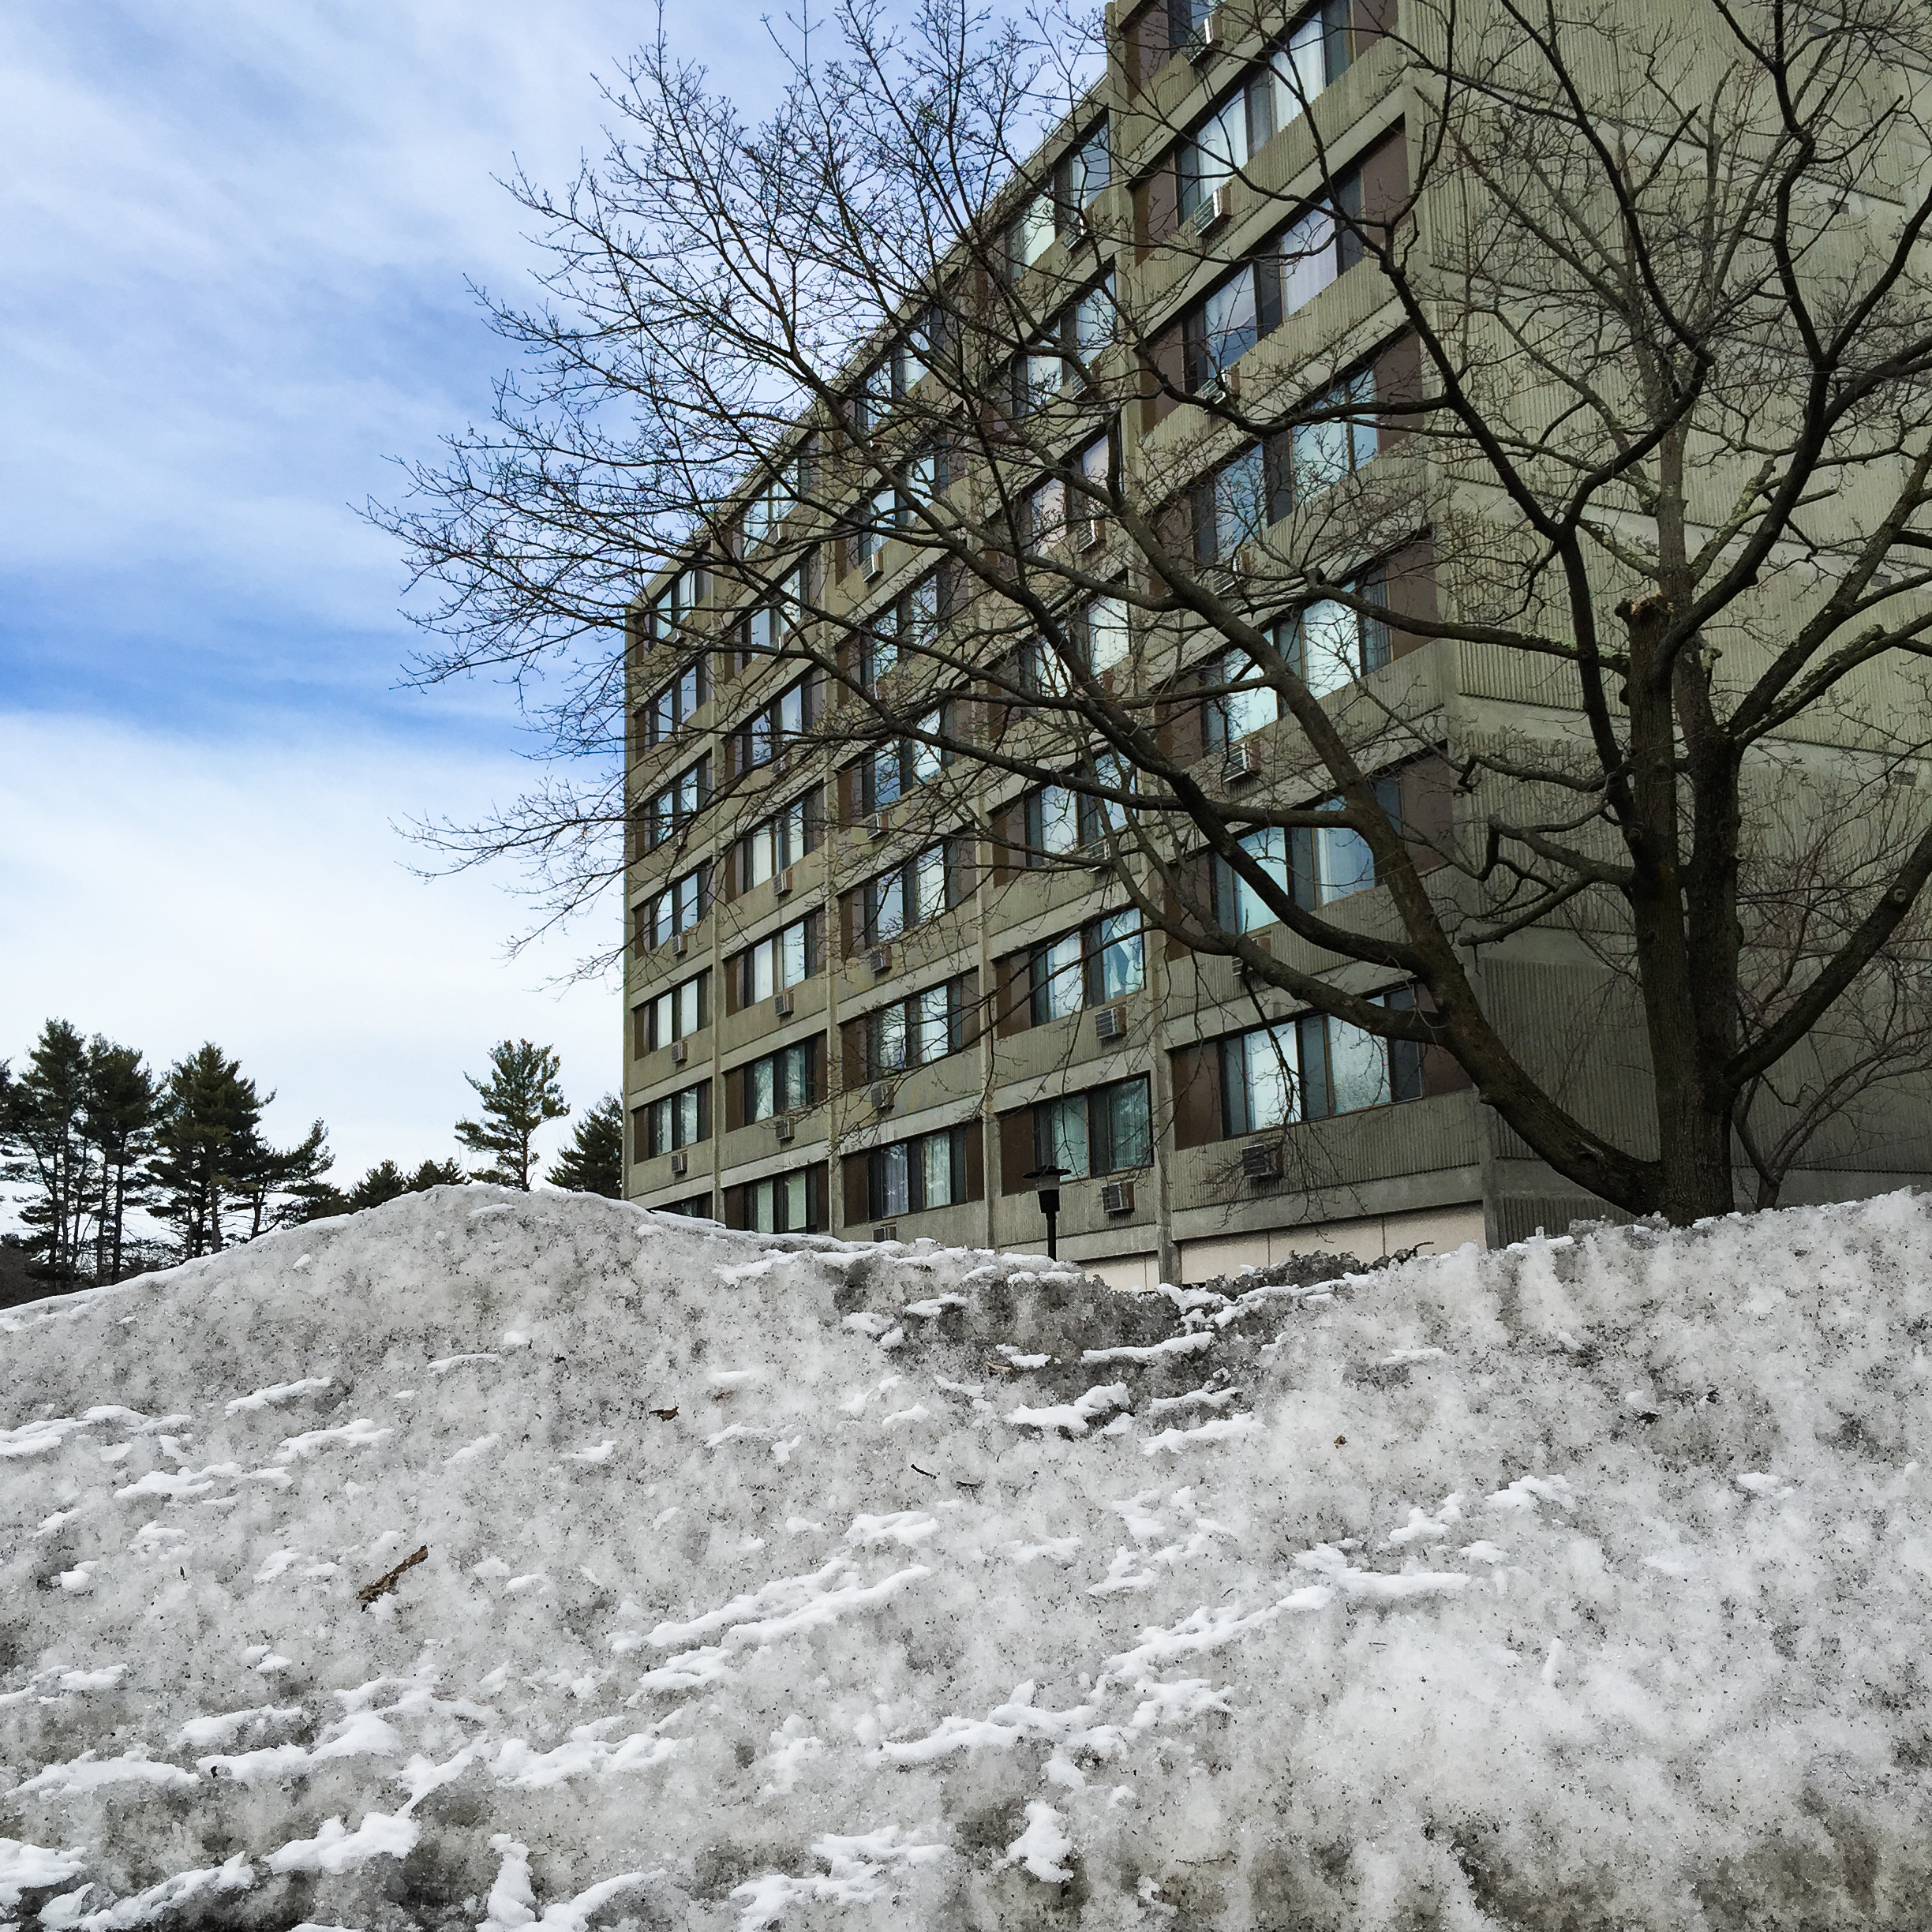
(846, 1014)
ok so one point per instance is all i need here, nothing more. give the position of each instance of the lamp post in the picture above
(1049, 1180)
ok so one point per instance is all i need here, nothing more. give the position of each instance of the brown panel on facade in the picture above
(1429, 809)
(1012, 1006)
(1370, 21)
(1397, 380)
(857, 1189)
(640, 1133)
(1015, 1139)
(1195, 873)
(971, 1014)
(1410, 575)
(1384, 172)
(734, 983)
(1442, 1073)
(1197, 1094)
(1009, 842)
(848, 924)
(852, 1054)
(1157, 205)
(734, 1085)
(1180, 723)
(976, 1161)
(1145, 43)
(850, 795)
(1166, 371)
(640, 1030)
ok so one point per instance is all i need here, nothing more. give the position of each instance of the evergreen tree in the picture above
(520, 1093)
(42, 1133)
(262, 1172)
(438, 1173)
(594, 1162)
(383, 1182)
(121, 1107)
(210, 1116)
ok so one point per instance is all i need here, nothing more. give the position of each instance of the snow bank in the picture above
(780, 1582)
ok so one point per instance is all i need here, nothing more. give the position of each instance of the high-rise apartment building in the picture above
(872, 989)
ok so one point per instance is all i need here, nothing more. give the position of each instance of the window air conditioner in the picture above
(781, 1005)
(875, 566)
(1212, 212)
(1117, 1197)
(679, 1163)
(883, 1092)
(886, 1231)
(1111, 1023)
(1207, 37)
(782, 1127)
(878, 961)
(680, 944)
(875, 825)
(1260, 1161)
(781, 882)
(1243, 761)
(1092, 532)
(680, 1053)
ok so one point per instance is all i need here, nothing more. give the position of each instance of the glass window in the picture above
(1053, 816)
(679, 1119)
(1233, 508)
(1218, 148)
(683, 1011)
(1108, 639)
(1057, 979)
(1121, 1131)
(781, 1081)
(1085, 172)
(1299, 70)
(934, 1015)
(885, 907)
(1261, 1076)
(1118, 966)
(929, 877)
(1238, 713)
(1358, 1068)
(895, 1188)
(888, 1031)
(1239, 904)
(780, 1204)
(1034, 232)
(935, 1169)
(680, 906)
(1096, 321)
(1060, 1136)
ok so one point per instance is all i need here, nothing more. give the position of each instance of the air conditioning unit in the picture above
(875, 566)
(781, 1005)
(781, 883)
(882, 1094)
(1225, 383)
(782, 1127)
(1212, 212)
(678, 1164)
(1208, 37)
(680, 1053)
(1111, 1023)
(1092, 532)
(875, 825)
(680, 944)
(886, 1231)
(1243, 761)
(1261, 1161)
(1117, 1197)
(878, 961)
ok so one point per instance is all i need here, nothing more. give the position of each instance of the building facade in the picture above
(851, 1006)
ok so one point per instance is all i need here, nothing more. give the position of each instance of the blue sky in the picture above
(234, 239)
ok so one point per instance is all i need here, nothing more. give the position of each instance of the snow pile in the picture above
(513, 1561)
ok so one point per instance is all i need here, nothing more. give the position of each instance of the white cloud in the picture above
(163, 894)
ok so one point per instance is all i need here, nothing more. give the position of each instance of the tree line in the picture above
(125, 1168)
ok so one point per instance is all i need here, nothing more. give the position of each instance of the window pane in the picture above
(1106, 633)
(927, 759)
(931, 1010)
(895, 1192)
(1215, 153)
(1231, 324)
(760, 1197)
(1032, 234)
(1358, 1067)
(1240, 502)
(1320, 454)
(1063, 971)
(1270, 846)
(888, 1038)
(793, 966)
(687, 1116)
(1343, 864)
(1059, 811)
(1271, 1076)
(1331, 647)
(1129, 1138)
(760, 863)
(1094, 320)
(936, 1169)
(762, 986)
(1300, 73)
(1060, 1136)
(1308, 258)
(882, 778)
(797, 1200)
(758, 1095)
(1121, 970)
(929, 870)
(888, 906)
(1246, 711)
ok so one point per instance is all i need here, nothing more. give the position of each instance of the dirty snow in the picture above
(781, 1583)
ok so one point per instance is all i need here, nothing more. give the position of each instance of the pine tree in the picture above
(210, 1115)
(41, 1132)
(383, 1182)
(122, 1104)
(520, 1095)
(438, 1173)
(594, 1162)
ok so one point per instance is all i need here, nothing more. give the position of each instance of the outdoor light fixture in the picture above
(1049, 1180)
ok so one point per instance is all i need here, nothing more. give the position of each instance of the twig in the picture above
(383, 1585)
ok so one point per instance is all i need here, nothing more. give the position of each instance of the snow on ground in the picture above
(778, 1582)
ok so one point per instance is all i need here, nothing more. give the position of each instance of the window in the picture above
(1320, 454)
(680, 1120)
(781, 840)
(877, 518)
(789, 1203)
(673, 807)
(911, 1176)
(676, 1015)
(1105, 640)
(780, 1081)
(908, 624)
(894, 769)
(1314, 865)
(675, 705)
(1231, 507)
(765, 733)
(697, 1206)
(783, 959)
(1235, 714)
(765, 513)
(1083, 173)
(1100, 961)
(1034, 232)
(677, 908)
(1105, 1131)
(1059, 820)
(914, 1033)
(926, 477)
(672, 607)
(1329, 646)
(1313, 1067)
(768, 628)
(909, 894)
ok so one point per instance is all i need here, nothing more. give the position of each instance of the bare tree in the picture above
(1601, 368)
